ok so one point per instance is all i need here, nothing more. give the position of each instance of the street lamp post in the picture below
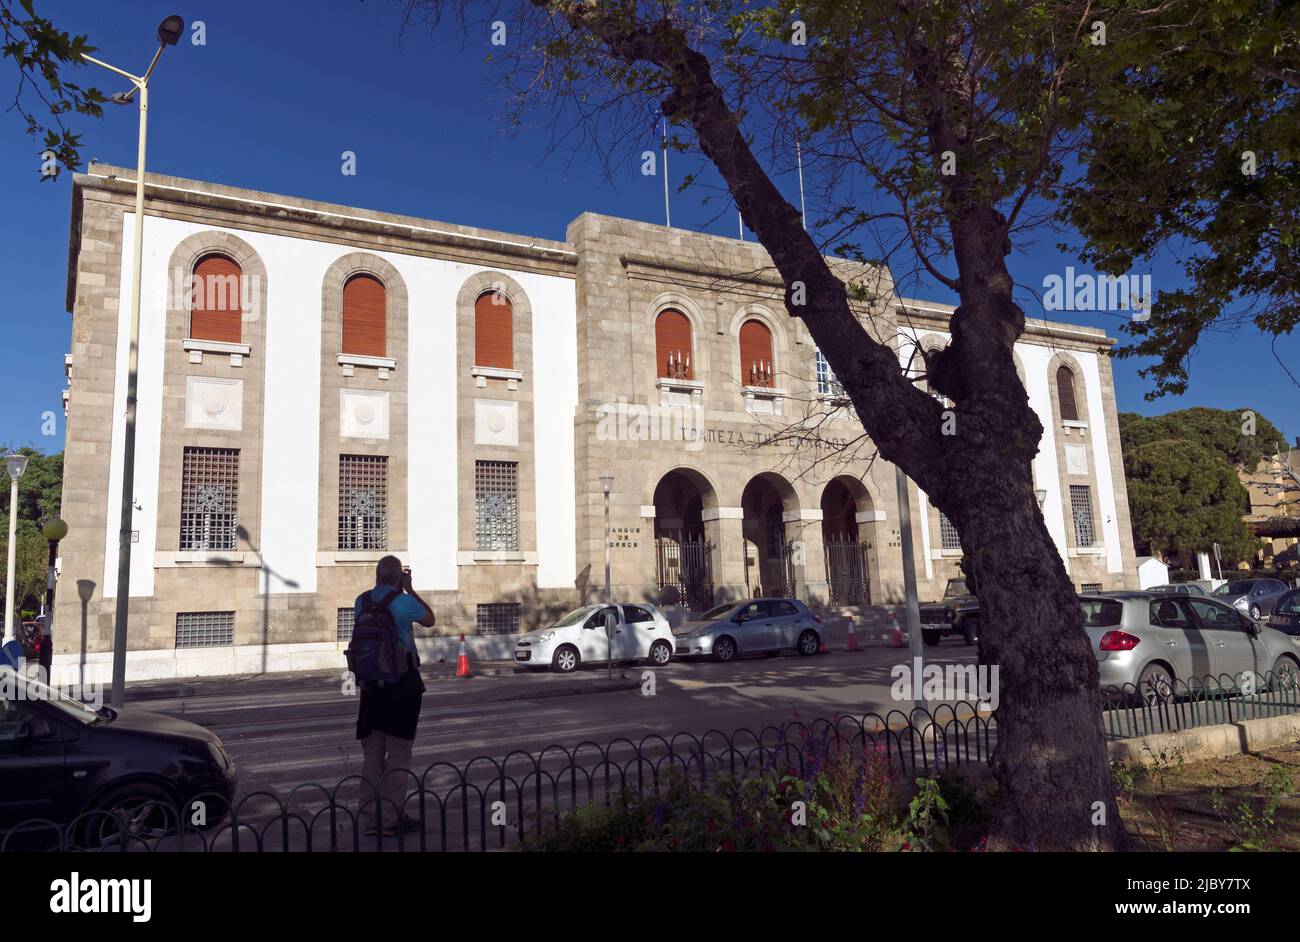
(606, 483)
(53, 531)
(15, 464)
(169, 31)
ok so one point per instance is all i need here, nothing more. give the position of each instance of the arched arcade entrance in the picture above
(683, 552)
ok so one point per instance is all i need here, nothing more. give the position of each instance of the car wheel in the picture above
(661, 652)
(931, 638)
(808, 643)
(1254, 612)
(131, 813)
(1286, 674)
(724, 649)
(1155, 686)
(565, 659)
(970, 630)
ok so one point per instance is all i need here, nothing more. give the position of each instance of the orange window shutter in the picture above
(756, 366)
(1065, 394)
(215, 300)
(494, 331)
(365, 320)
(673, 345)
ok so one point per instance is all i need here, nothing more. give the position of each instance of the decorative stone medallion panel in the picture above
(363, 413)
(214, 403)
(1076, 459)
(496, 422)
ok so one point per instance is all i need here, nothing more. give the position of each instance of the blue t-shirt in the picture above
(406, 611)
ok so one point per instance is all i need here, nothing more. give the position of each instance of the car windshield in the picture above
(1101, 613)
(1234, 588)
(717, 612)
(955, 588)
(16, 686)
(575, 616)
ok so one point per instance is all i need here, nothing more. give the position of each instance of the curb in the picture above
(1209, 742)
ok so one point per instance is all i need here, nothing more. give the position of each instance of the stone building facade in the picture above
(462, 398)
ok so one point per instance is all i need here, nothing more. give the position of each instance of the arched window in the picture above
(673, 345)
(494, 331)
(756, 354)
(1065, 394)
(215, 302)
(365, 322)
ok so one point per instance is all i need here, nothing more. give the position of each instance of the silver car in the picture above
(1256, 597)
(769, 626)
(1149, 640)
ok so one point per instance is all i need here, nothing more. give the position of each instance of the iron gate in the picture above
(847, 577)
(686, 572)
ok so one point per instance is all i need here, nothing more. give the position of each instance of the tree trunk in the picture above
(1050, 760)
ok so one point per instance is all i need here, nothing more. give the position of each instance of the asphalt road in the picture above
(285, 730)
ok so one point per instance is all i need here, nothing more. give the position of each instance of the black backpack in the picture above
(376, 655)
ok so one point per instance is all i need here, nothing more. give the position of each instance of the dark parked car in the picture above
(60, 758)
(957, 613)
(1285, 616)
(1255, 597)
(1178, 588)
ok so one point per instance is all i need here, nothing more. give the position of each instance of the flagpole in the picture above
(803, 210)
(668, 219)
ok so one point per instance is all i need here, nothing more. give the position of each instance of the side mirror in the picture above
(611, 622)
(738, 618)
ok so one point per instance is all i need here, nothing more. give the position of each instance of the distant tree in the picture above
(1185, 497)
(1242, 437)
(39, 498)
(43, 97)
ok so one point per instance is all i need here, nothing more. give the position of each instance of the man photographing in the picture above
(390, 707)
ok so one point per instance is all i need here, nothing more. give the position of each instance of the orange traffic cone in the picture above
(896, 639)
(853, 637)
(462, 660)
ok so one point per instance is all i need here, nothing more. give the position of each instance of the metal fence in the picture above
(489, 803)
(1164, 705)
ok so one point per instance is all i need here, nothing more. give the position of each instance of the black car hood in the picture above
(132, 720)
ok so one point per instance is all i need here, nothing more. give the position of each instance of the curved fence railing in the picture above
(492, 803)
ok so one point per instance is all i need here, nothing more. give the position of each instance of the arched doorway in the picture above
(769, 553)
(847, 569)
(683, 553)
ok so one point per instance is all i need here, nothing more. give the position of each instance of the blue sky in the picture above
(283, 87)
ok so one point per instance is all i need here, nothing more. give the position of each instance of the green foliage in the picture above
(1184, 494)
(1222, 430)
(44, 97)
(1183, 93)
(842, 800)
(39, 494)
(1251, 821)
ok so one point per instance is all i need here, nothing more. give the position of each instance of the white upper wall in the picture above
(291, 430)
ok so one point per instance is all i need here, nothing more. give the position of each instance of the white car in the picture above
(641, 633)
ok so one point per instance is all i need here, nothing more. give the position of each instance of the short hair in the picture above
(388, 571)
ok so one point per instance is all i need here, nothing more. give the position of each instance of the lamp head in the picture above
(54, 530)
(606, 482)
(170, 29)
(16, 464)
(1041, 495)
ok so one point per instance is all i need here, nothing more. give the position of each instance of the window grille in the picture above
(1088, 587)
(1085, 533)
(343, 623)
(496, 505)
(205, 629)
(948, 536)
(497, 618)
(363, 502)
(209, 498)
